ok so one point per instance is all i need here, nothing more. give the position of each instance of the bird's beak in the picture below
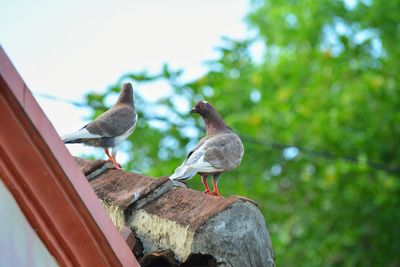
(194, 110)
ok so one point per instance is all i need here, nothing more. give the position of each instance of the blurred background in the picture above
(312, 87)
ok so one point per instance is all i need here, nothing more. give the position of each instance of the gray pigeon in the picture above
(110, 128)
(219, 151)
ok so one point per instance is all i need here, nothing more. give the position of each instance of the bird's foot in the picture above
(215, 193)
(206, 191)
(116, 164)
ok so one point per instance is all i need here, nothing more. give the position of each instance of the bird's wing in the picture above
(194, 163)
(114, 122)
(199, 144)
(224, 151)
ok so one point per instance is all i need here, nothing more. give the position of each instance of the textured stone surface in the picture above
(117, 186)
(159, 233)
(231, 230)
(188, 207)
(236, 236)
(93, 168)
(182, 227)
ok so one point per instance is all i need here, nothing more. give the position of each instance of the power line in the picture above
(324, 154)
(64, 100)
(249, 139)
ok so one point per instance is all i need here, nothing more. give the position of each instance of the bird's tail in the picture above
(183, 173)
(70, 138)
(78, 137)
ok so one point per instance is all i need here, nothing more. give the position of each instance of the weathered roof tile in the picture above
(179, 224)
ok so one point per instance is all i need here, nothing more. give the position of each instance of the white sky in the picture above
(68, 48)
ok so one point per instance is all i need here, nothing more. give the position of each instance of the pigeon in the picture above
(110, 128)
(219, 151)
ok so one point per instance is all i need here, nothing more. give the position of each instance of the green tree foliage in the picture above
(319, 116)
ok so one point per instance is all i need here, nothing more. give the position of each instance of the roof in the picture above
(49, 187)
(128, 189)
(177, 225)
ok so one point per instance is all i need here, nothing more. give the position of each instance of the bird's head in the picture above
(126, 96)
(214, 122)
(202, 107)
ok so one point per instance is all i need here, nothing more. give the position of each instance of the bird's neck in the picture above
(215, 124)
(126, 97)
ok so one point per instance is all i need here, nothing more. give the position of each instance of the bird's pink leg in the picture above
(108, 153)
(116, 164)
(215, 192)
(204, 181)
(114, 155)
(112, 158)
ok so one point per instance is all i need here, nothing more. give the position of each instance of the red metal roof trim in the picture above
(49, 186)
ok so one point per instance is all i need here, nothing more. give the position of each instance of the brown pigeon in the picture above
(110, 128)
(219, 151)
